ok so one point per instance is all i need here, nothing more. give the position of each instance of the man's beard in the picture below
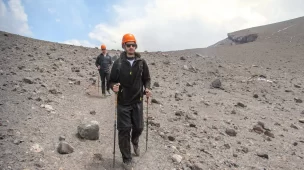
(131, 53)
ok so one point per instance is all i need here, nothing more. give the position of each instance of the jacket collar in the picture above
(104, 55)
(123, 55)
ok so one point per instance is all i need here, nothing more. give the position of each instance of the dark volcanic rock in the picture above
(231, 132)
(242, 38)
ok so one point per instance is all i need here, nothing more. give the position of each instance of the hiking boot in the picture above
(136, 150)
(103, 96)
(127, 165)
(109, 92)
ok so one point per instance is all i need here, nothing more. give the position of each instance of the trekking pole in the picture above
(115, 129)
(98, 85)
(147, 124)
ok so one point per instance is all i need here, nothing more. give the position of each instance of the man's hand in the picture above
(98, 67)
(148, 93)
(116, 87)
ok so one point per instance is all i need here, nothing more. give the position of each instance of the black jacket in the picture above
(104, 62)
(131, 79)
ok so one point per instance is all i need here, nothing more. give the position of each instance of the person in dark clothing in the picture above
(103, 63)
(130, 79)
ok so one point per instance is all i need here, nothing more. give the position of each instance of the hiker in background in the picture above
(103, 63)
(129, 74)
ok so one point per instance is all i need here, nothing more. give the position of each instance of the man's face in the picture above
(130, 47)
(104, 51)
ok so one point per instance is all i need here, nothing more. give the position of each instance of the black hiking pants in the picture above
(130, 124)
(105, 77)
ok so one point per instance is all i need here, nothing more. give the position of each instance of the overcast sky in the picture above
(157, 24)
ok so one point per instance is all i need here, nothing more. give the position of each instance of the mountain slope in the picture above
(253, 120)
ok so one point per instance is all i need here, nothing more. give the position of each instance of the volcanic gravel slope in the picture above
(224, 107)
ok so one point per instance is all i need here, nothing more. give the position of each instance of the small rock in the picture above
(166, 62)
(89, 131)
(192, 125)
(277, 124)
(297, 86)
(177, 158)
(241, 104)
(48, 53)
(186, 67)
(216, 83)
(62, 138)
(162, 134)
(75, 69)
(297, 100)
(268, 133)
(17, 142)
(156, 84)
(263, 76)
(190, 117)
(217, 138)
(152, 123)
(294, 126)
(182, 58)
(227, 146)
(178, 96)
(54, 91)
(21, 67)
(302, 112)
(36, 148)
(258, 129)
(39, 164)
(64, 148)
(48, 108)
(28, 80)
(256, 96)
(171, 138)
(301, 120)
(77, 82)
(231, 132)
(189, 84)
(295, 143)
(179, 113)
(235, 155)
(263, 155)
(233, 112)
(199, 166)
(98, 157)
(198, 55)
(155, 101)
(93, 112)
(245, 149)
(261, 124)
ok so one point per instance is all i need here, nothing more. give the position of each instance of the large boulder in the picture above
(241, 38)
(89, 130)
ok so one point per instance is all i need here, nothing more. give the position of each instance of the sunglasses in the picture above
(103, 49)
(133, 45)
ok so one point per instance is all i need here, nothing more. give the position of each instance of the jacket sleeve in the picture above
(97, 61)
(146, 76)
(114, 75)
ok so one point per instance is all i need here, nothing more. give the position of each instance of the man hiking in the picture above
(103, 63)
(129, 74)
